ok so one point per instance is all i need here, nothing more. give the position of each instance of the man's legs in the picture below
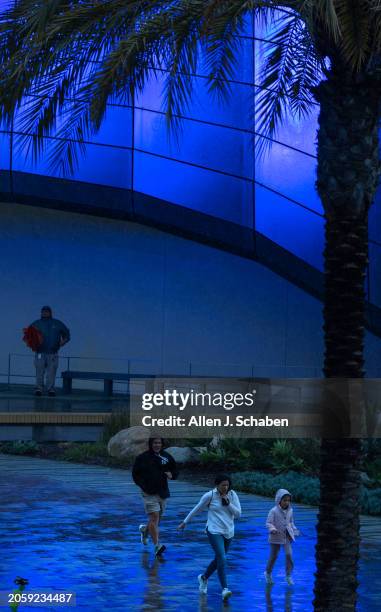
(154, 506)
(51, 371)
(39, 363)
(220, 546)
(153, 526)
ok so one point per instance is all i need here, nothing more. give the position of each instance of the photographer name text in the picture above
(205, 421)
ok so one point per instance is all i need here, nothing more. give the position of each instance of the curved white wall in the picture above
(129, 291)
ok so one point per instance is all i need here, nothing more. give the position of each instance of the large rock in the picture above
(183, 454)
(128, 443)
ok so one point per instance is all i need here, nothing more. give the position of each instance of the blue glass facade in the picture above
(212, 167)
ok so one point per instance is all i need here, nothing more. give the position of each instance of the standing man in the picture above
(151, 473)
(53, 334)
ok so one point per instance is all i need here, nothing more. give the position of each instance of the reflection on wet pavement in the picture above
(75, 527)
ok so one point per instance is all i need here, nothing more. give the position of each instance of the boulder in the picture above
(183, 454)
(128, 443)
(200, 449)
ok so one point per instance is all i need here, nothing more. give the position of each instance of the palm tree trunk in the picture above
(347, 178)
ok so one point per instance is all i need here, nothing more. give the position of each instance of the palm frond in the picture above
(70, 59)
(375, 35)
(321, 15)
(355, 26)
(289, 71)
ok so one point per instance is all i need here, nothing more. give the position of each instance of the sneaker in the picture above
(38, 392)
(159, 549)
(203, 584)
(289, 580)
(51, 393)
(226, 593)
(268, 578)
(143, 534)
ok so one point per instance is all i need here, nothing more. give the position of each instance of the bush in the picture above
(230, 454)
(213, 458)
(373, 469)
(269, 454)
(85, 451)
(304, 489)
(20, 447)
(309, 451)
(283, 457)
(115, 422)
(371, 501)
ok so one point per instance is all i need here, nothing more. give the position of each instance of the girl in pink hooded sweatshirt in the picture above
(282, 532)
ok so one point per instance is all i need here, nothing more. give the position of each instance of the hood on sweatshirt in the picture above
(281, 493)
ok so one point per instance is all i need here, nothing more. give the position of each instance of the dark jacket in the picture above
(52, 331)
(148, 472)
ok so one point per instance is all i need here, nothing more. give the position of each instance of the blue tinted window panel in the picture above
(299, 133)
(5, 148)
(213, 147)
(292, 227)
(375, 274)
(116, 128)
(243, 68)
(291, 173)
(236, 113)
(264, 30)
(101, 165)
(202, 190)
(22, 123)
(247, 24)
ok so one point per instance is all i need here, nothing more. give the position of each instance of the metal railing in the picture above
(139, 366)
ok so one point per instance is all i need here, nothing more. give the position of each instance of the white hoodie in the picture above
(220, 517)
(280, 523)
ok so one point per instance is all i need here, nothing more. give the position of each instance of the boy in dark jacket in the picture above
(151, 472)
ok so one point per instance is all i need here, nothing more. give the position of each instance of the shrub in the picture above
(231, 454)
(20, 447)
(304, 489)
(309, 451)
(283, 457)
(82, 452)
(371, 501)
(213, 458)
(373, 469)
(115, 422)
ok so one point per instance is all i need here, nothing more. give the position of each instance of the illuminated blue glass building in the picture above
(197, 251)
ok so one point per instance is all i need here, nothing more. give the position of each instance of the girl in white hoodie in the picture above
(282, 532)
(223, 507)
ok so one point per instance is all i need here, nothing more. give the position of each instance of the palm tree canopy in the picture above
(64, 60)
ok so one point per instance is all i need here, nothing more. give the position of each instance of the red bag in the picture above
(32, 337)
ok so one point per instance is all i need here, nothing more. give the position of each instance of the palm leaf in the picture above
(289, 71)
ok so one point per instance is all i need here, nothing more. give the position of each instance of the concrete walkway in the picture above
(74, 527)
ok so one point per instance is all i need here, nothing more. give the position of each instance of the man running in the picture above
(151, 472)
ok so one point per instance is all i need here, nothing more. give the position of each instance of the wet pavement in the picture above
(73, 527)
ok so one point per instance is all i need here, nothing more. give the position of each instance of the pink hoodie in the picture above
(280, 523)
